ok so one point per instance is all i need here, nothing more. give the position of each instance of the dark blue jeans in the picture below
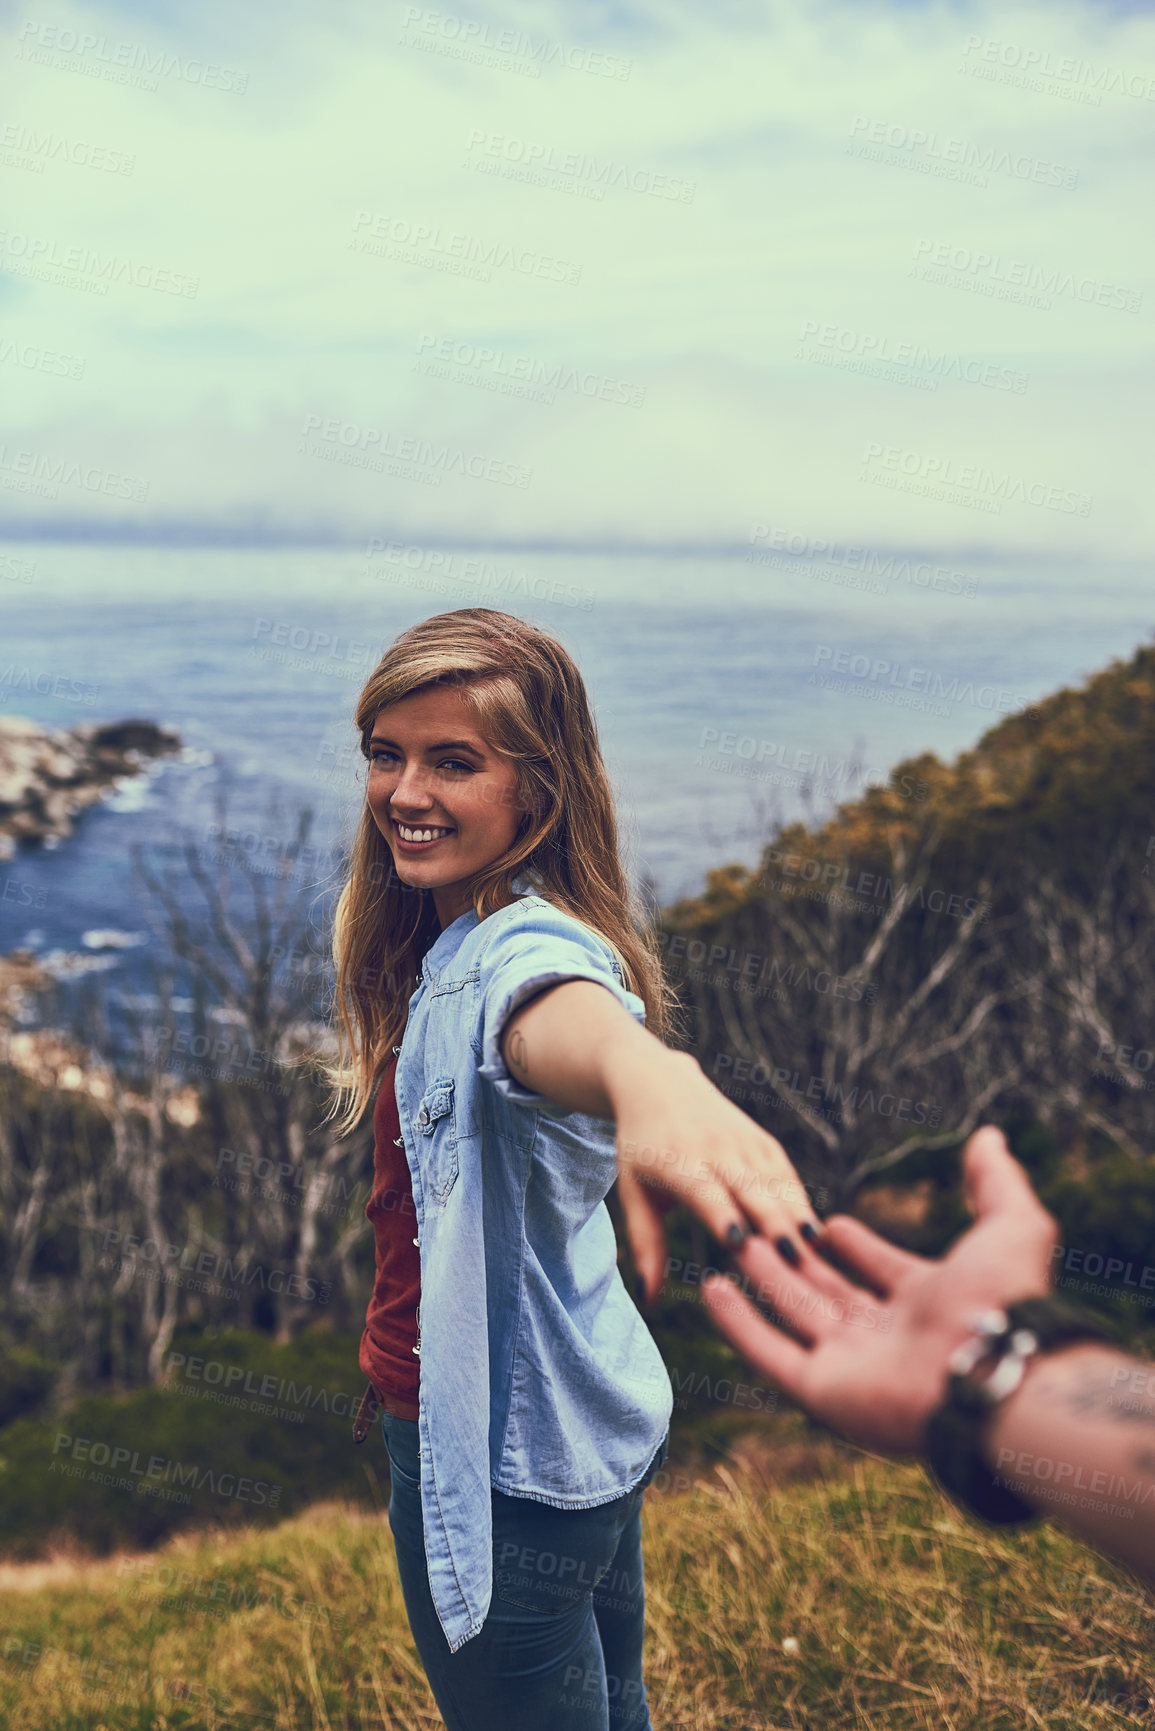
(561, 1647)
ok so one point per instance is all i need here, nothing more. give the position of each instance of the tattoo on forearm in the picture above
(1094, 1394)
(517, 1054)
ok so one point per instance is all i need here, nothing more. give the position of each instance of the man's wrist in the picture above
(966, 1434)
(1006, 1416)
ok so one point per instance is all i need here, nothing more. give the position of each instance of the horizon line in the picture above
(183, 534)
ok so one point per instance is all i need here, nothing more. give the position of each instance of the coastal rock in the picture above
(47, 776)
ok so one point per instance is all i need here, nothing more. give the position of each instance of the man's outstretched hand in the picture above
(874, 1362)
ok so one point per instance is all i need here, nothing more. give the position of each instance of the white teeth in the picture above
(420, 834)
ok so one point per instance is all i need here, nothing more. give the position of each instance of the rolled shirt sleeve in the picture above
(534, 946)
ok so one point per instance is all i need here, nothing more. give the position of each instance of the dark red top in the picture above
(387, 1356)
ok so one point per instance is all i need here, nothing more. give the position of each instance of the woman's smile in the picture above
(419, 838)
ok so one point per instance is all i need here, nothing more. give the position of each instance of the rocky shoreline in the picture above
(47, 776)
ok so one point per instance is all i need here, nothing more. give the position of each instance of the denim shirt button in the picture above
(423, 1115)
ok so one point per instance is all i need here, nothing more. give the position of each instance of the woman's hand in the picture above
(680, 1140)
(678, 1137)
(874, 1365)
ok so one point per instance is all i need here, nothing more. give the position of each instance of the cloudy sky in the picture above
(590, 275)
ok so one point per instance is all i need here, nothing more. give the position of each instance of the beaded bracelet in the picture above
(957, 1429)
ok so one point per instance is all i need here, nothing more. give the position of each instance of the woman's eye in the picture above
(387, 758)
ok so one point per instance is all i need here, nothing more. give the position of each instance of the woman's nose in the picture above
(411, 789)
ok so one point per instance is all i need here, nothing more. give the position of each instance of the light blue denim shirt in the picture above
(538, 1375)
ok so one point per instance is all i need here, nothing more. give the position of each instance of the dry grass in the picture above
(905, 1616)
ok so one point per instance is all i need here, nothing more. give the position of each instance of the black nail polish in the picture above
(808, 1232)
(736, 1235)
(787, 1250)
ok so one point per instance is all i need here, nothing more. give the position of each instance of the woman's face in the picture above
(445, 802)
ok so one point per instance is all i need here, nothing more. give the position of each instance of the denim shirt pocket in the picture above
(437, 1151)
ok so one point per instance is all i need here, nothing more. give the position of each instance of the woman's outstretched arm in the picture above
(678, 1137)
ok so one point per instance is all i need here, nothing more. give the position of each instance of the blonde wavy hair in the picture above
(528, 702)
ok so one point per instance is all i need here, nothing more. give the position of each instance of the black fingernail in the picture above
(736, 1235)
(808, 1232)
(787, 1250)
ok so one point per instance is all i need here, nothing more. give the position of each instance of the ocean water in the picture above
(730, 695)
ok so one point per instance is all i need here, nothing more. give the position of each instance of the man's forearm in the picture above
(1077, 1440)
(577, 1045)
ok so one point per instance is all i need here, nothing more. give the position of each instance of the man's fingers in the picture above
(755, 1338)
(811, 1302)
(995, 1182)
(881, 1264)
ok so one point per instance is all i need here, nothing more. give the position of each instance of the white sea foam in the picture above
(109, 938)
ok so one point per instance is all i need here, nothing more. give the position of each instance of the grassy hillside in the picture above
(974, 941)
(245, 1431)
(904, 1615)
(1070, 774)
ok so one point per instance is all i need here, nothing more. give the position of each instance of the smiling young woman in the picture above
(444, 801)
(498, 991)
